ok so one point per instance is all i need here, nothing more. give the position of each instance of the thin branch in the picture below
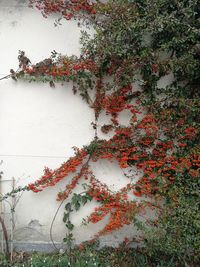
(51, 228)
(6, 77)
(11, 75)
(5, 233)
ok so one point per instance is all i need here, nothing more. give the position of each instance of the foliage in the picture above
(52, 260)
(88, 256)
(136, 42)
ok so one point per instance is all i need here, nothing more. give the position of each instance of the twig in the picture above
(6, 77)
(51, 228)
(5, 233)
(11, 75)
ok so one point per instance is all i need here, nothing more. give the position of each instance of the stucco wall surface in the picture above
(39, 126)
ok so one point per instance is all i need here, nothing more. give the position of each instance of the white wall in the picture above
(39, 125)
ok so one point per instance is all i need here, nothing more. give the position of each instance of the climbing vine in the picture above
(136, 44)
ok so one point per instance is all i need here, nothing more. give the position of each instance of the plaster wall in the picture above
(39, 126)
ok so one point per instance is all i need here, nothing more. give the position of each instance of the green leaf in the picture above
(69, 225)
(66, 217)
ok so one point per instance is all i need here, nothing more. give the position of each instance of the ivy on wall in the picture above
(134, 41)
